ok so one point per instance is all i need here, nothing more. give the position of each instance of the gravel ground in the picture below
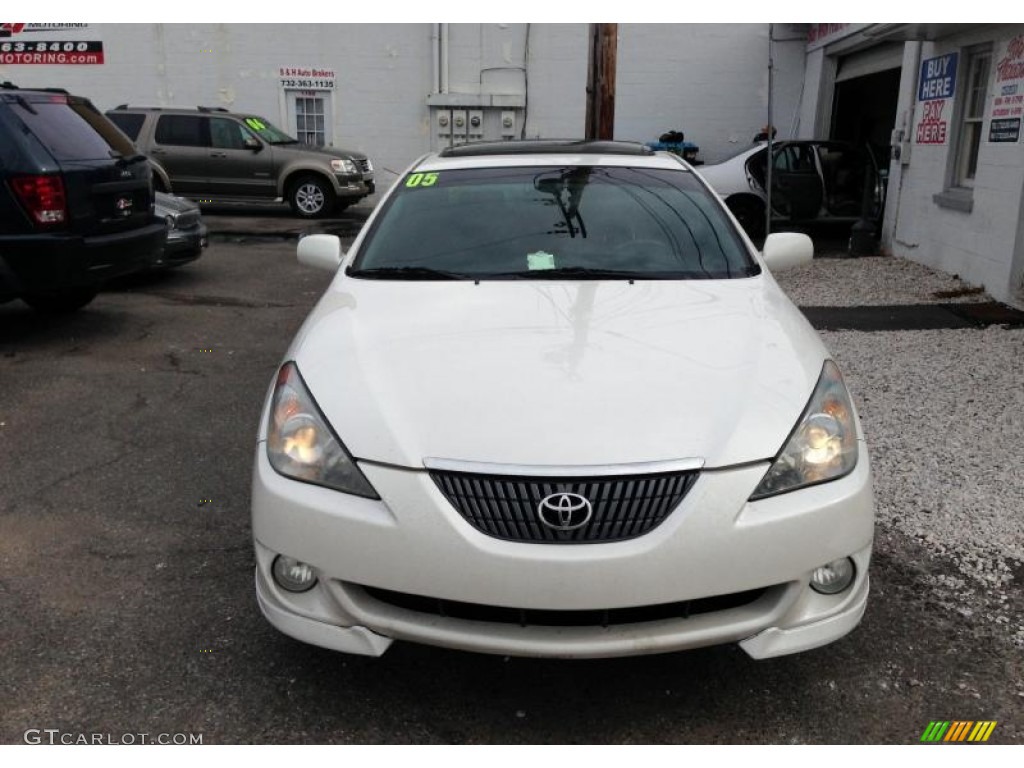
(834, 282)
(943, 412)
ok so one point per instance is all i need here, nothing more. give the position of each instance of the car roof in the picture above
(546, 152)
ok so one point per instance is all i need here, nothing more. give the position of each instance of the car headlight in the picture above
(344, 166)
(822, 447)
(301, 444)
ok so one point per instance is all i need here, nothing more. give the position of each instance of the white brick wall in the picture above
(708, 80)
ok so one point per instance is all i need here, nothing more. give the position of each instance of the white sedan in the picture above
(812, 182)
(554, 404)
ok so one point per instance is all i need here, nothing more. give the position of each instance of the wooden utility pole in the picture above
(601, 81)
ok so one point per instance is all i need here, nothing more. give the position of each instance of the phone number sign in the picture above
(307, 78)
(51, 52)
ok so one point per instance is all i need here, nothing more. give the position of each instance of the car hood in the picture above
(559, 373)
(165, 204)
(309, 149)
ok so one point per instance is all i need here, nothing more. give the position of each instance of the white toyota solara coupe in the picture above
(554, 404)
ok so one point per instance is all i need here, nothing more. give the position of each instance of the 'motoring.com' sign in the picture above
(935, 90)
(19, 45)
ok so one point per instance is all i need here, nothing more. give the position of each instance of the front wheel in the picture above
(62, 302)
(311, 197)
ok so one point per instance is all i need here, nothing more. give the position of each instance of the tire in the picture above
(61, 303)
(311, 197)
(750, 214)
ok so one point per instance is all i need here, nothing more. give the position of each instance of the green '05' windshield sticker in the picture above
(255, 124)
(421, 180)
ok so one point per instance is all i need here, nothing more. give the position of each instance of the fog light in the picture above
(833, 578)
(293, 575)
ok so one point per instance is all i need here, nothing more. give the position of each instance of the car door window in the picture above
(796, 183)
(129, 122)
(226, 134)
(795, 158)
(182, 131)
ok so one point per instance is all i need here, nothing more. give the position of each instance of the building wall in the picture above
(708, 80)
(383, 74)
(985, 245)
(978, 245)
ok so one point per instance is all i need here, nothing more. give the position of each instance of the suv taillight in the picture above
(43, 198)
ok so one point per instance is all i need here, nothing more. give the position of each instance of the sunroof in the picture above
(547, 146)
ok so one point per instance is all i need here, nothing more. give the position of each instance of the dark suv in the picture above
(214, 155)
(76, 200)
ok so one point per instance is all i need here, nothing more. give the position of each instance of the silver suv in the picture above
(214, 155)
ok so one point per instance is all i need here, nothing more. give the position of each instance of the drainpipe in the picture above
(435, 49)
(915, 65)
(444, 57)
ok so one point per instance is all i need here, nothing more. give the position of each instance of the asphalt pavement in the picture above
(127, 434)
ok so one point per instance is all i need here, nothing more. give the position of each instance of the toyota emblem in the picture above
(123, 205)
(565, 511)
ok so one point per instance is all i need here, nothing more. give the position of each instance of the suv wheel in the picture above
(311, 197)
(60, 303)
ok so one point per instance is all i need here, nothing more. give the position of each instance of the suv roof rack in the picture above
(547, 147)
(171, 109)
(7, 85)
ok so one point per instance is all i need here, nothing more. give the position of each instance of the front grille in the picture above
(525, 617)
(364, 164)
(509, 507)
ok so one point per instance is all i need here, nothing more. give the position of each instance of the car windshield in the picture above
(266, 131)
(578, 222)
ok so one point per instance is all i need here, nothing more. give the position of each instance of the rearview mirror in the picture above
(321, 251)
(253, 143)
(783, 250)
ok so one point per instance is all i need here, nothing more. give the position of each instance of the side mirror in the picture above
(783, 250)
(321, 251)
(253, 143)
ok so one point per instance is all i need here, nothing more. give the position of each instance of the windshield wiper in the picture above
(406, 273)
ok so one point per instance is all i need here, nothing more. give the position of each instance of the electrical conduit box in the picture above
(460, 126)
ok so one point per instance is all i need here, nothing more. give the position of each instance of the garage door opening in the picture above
(864, 110)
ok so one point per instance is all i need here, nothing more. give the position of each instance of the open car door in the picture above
(797, 191)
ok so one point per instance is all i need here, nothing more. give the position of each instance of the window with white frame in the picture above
(309, 120)
(972, 116)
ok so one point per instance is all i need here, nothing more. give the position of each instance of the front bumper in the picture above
(348, 186)
(414, 542)
(184, 245)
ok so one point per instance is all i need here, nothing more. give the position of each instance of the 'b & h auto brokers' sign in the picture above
(935, 90)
